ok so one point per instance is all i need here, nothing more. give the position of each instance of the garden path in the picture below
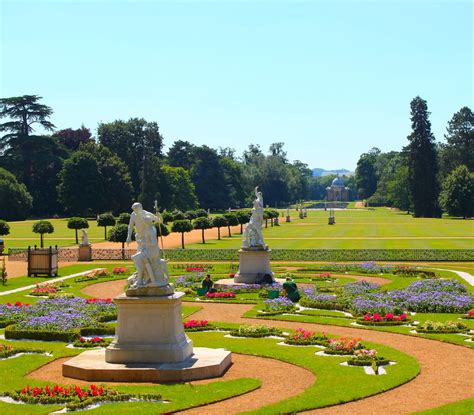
(446, 372)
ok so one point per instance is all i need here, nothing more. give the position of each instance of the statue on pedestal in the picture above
(84, 238)
(152, 271)
(253, 236)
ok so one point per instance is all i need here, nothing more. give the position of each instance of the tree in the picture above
(36, 161)
(181, 154)
(201, 213)
(106, 219)
(135, 141)
(399, 190)
(203, 224)
(124, 218)
(243, 217)
(232, 220)
(80, 185)
(15, 201)
(182, 226)
(23, 112)
(422, 162)
(366, 175)
(72, 139)
(119, 234)
(42, 227)
(77, 223)
(218, 222)
(4, 228)
(177, 189)
(115, 177)
(459, 148)
(457, 194)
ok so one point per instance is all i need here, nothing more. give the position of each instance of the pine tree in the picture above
(422, 162)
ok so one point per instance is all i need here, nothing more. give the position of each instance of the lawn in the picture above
(361, 229)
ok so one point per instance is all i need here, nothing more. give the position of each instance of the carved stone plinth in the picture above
(150, 291)
(149, 329)
(253, 265)
(85, 253)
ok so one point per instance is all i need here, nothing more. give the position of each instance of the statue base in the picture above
(149, 330)
(254, 264)
(85, 253)
(150, 291)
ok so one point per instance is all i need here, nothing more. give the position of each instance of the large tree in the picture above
(72, 139)
(459, 147)
(181, 154)
(457, 195)
(366, 173)
(135, 141)
(422, 162)
(15, 201)
(23, 112)
(177, 189)
(81, 187)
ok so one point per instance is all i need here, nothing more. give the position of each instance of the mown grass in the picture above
(464, 407)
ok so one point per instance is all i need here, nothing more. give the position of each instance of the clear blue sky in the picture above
(331, 79)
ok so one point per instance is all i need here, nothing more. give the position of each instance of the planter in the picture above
(42, 261)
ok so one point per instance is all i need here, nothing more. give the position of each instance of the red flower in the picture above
(389, 316)
(367, 317)
(403, 316)
(377, 317)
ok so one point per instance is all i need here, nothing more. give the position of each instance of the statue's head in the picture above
(137, 206)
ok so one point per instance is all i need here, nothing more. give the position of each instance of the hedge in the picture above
(328, 254)
(11, 332)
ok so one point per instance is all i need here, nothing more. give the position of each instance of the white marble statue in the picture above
(253, 236)
(152, 271)
(84, 238)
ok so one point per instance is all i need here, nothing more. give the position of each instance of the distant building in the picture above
(337, 191)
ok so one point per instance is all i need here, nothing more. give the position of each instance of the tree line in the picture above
(426, 177)
(70, 172)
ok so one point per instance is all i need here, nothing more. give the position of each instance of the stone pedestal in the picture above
(149, 329)
(85, 253)
(288, 218)
(253, 264)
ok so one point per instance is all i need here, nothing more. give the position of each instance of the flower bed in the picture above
(343, 345)
(73, 396)
(255, 331)
(388, 319)
(7, 350)
(360, 287)
(304, 337)
(405, 271)
(197, 325)
(439, 327)
(312, 299)
(366, 357)
(277, 306)
(469, 315)
(120, 270)
(222, 294)
(94, 342)
(44, 289)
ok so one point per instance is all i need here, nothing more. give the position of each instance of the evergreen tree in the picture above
(366, 174)
(182, 226)
(219, 222)
(457, 195)
(15, 201)
(76, 224)
(4, 228)
(203, 224)
(106, 219)
(42, 227)
(422, 162)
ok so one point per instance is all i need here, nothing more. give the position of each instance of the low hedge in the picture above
(45, 335)
(306, 302)
(328, 255)
(306, 342)
(379, 361)
(101, 329)
(5, 323)
(256, 332)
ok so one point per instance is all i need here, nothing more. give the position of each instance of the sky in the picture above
(331, 79)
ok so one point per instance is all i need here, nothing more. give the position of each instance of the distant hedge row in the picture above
(200, 255)
(328, 254)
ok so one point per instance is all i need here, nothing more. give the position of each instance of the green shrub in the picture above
(45, 335)
(255, 331)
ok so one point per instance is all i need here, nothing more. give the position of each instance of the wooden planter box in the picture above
(2, 246)
(42, 261)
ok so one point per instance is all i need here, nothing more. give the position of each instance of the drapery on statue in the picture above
(253, 236)
(152, 271)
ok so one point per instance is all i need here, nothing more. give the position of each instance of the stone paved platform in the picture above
(203, 364)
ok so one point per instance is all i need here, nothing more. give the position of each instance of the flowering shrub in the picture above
(188, 280)
(367, 357)
(59, 314)
(196, 325)
(73, 396)
(120, 270)
(232, 275)
(439, 327)
(255, 331)
(93, 342)
(388, 319)
(195, 269)
(44, 289)
(98, 300)
(343, 345)
(304, 337)
(223, 294)
(313, 299)
(360, 287)
(278, 305)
